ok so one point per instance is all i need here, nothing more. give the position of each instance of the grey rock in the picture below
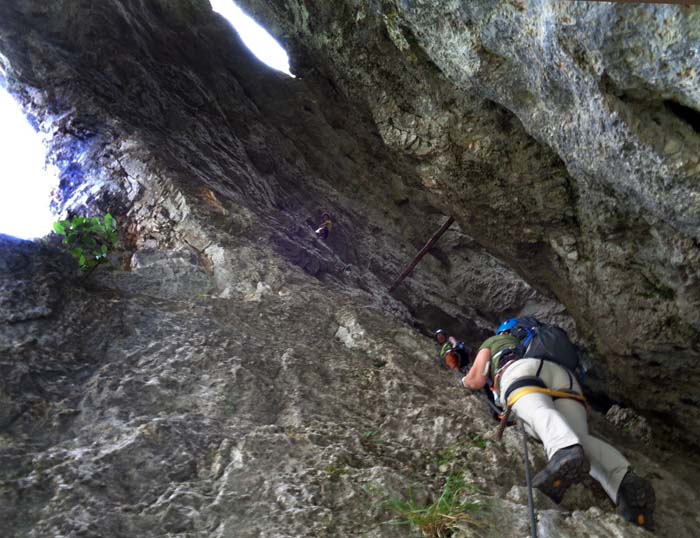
(28, 275)
(565, 152)
(630, 422)
(245, 379)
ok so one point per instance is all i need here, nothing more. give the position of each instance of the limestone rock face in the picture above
(563, 136)
(231, 374)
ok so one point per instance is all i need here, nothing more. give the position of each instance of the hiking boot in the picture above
(567, 467)
(636, 500)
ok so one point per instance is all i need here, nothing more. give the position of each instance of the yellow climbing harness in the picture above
(519, 393)
(549, 392)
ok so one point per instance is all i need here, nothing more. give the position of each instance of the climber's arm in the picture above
(477, 376)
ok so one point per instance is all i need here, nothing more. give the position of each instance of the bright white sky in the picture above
(253, 35)
(25, 186)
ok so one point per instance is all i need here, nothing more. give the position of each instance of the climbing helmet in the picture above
(507, 325)
(437, 336)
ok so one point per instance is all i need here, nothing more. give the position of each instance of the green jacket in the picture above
(495, 345)
(445, 348)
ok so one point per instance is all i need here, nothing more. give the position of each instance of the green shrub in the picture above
(89, 240)
(441, 518)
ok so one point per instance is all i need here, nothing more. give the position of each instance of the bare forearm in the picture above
(477, 377)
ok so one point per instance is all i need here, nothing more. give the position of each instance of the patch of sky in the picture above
(25, 183)
(256, 38)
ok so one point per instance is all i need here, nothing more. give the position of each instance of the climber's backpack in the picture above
(463, 355)
(541, 341)
(524, 329)
(551, 343)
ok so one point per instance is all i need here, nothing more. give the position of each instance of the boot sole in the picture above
(639, 507)
(554, 483)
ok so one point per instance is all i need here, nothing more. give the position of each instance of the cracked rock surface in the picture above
(232, 375)
(563, 137)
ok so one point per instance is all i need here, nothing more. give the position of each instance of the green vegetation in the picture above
(229, 406)
(657, 290)
(479, 441)
(448, 455)
(336, 472)
(372, 436)
(457, 453)
(441, 518)
(89, 239)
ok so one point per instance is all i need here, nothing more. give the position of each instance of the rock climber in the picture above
(453, 352)
(442, 339)
(561, 424)
(324, 229)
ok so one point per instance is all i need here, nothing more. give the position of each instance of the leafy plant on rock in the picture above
(89, 239)
(441, 518)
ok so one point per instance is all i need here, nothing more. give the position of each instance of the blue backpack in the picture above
(541, 341)
(524, 329)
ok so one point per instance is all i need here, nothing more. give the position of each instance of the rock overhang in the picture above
(204, 209)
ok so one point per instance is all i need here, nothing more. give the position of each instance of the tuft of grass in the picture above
(448, 455)
(454, 458)
(479, 441)
(441, 518)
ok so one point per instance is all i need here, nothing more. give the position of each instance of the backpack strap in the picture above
(504, 357)
(500, 362)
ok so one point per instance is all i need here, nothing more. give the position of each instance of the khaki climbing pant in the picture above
(563, 422)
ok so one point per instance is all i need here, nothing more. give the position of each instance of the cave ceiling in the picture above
(563, 136)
